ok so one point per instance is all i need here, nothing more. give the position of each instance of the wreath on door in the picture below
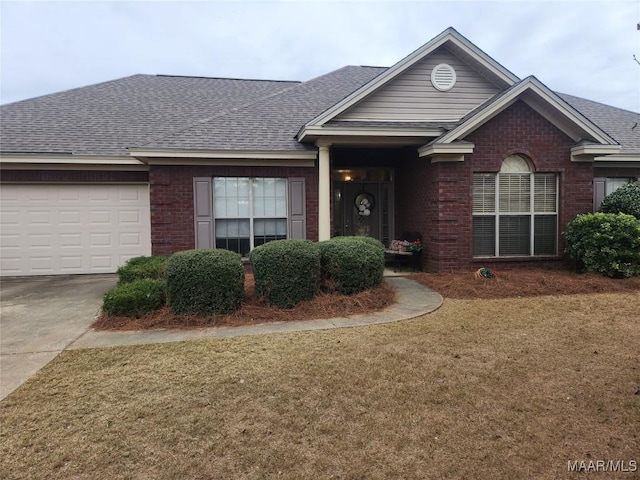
(364, 202)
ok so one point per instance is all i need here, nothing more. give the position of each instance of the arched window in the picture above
(515, 212)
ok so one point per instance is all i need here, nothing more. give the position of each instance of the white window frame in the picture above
(532, 214)
(252, 217)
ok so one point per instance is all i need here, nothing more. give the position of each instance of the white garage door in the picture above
(68, 229)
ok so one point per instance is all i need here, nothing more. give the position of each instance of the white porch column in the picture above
(324, 193)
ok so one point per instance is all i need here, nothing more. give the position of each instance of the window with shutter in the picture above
(249, 212)
(515, 211)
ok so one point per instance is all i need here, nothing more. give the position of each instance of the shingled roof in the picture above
(107, 118)
(271, 123)
(622, 125)
(170, 112)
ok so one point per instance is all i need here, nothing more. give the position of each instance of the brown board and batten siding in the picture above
(412, 97)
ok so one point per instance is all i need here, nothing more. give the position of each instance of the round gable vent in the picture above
(443, 77)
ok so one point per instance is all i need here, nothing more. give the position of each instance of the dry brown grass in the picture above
(483, 389)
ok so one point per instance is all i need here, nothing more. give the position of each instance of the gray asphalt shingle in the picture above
(106, 118)
(621, 125)
(157, 111)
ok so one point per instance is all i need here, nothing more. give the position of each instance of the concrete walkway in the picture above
(42, 316)
(413, 300)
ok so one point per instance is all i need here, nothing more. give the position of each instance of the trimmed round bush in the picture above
(205, 282)
(286, 272)
(625, 199)
(135, 299)
(605, 243)
(352, 264)
(138, 268)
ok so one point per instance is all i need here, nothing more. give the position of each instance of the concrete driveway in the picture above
(40, 317)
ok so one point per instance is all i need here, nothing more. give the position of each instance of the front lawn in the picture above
(485, 389)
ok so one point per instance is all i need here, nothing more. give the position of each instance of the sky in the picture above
(584, 48)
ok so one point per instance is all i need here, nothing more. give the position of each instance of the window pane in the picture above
(233, 235)
(545, 235)
(515, 192)
(515, 234)
(612, 184)
(269, 229)
(269, 197)
(484, 193)
(544, 192)
(484, 233)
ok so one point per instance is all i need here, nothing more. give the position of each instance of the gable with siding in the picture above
(412, 97)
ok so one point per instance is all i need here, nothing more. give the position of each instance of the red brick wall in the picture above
(436, 198)
(171, 190)
(72, 176)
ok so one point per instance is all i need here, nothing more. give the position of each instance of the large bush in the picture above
(135, 299)
(625, 199)
(352, 264)
(138, 268)
(286, 272)
(205, 282)
(606, 243)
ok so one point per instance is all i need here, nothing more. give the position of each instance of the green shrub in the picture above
(286, 272)
(352, 264)
(606, 243)
(135, 299)
(625, 199)
(205, 282)
(138, 268)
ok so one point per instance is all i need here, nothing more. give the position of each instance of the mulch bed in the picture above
(459, 285)
(255, 311)
(524, 283)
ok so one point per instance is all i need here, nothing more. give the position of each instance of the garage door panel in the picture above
(49, 229)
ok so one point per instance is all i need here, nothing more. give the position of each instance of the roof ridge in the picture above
(226, 78)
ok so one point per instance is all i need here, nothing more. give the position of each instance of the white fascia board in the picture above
(239, 162)
(449, 35)
(72, 160)
(623, 157)
(533, 85)
(313, 132)
(460, 148)
(148, 153)
(595, 150)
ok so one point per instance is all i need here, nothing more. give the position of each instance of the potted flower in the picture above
(415, 247)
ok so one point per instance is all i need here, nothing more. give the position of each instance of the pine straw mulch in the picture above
(524, 283)
(255, 310)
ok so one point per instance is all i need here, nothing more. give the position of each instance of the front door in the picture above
(363, 208)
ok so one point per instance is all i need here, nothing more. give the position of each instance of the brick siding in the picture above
(171, 190)
(435, 199)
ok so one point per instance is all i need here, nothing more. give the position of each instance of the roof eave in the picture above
(313, 133)
(272, 158)
(54, 160)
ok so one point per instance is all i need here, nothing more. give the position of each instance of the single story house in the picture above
(487, 167)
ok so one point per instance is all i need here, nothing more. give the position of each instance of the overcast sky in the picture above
(584, 48)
